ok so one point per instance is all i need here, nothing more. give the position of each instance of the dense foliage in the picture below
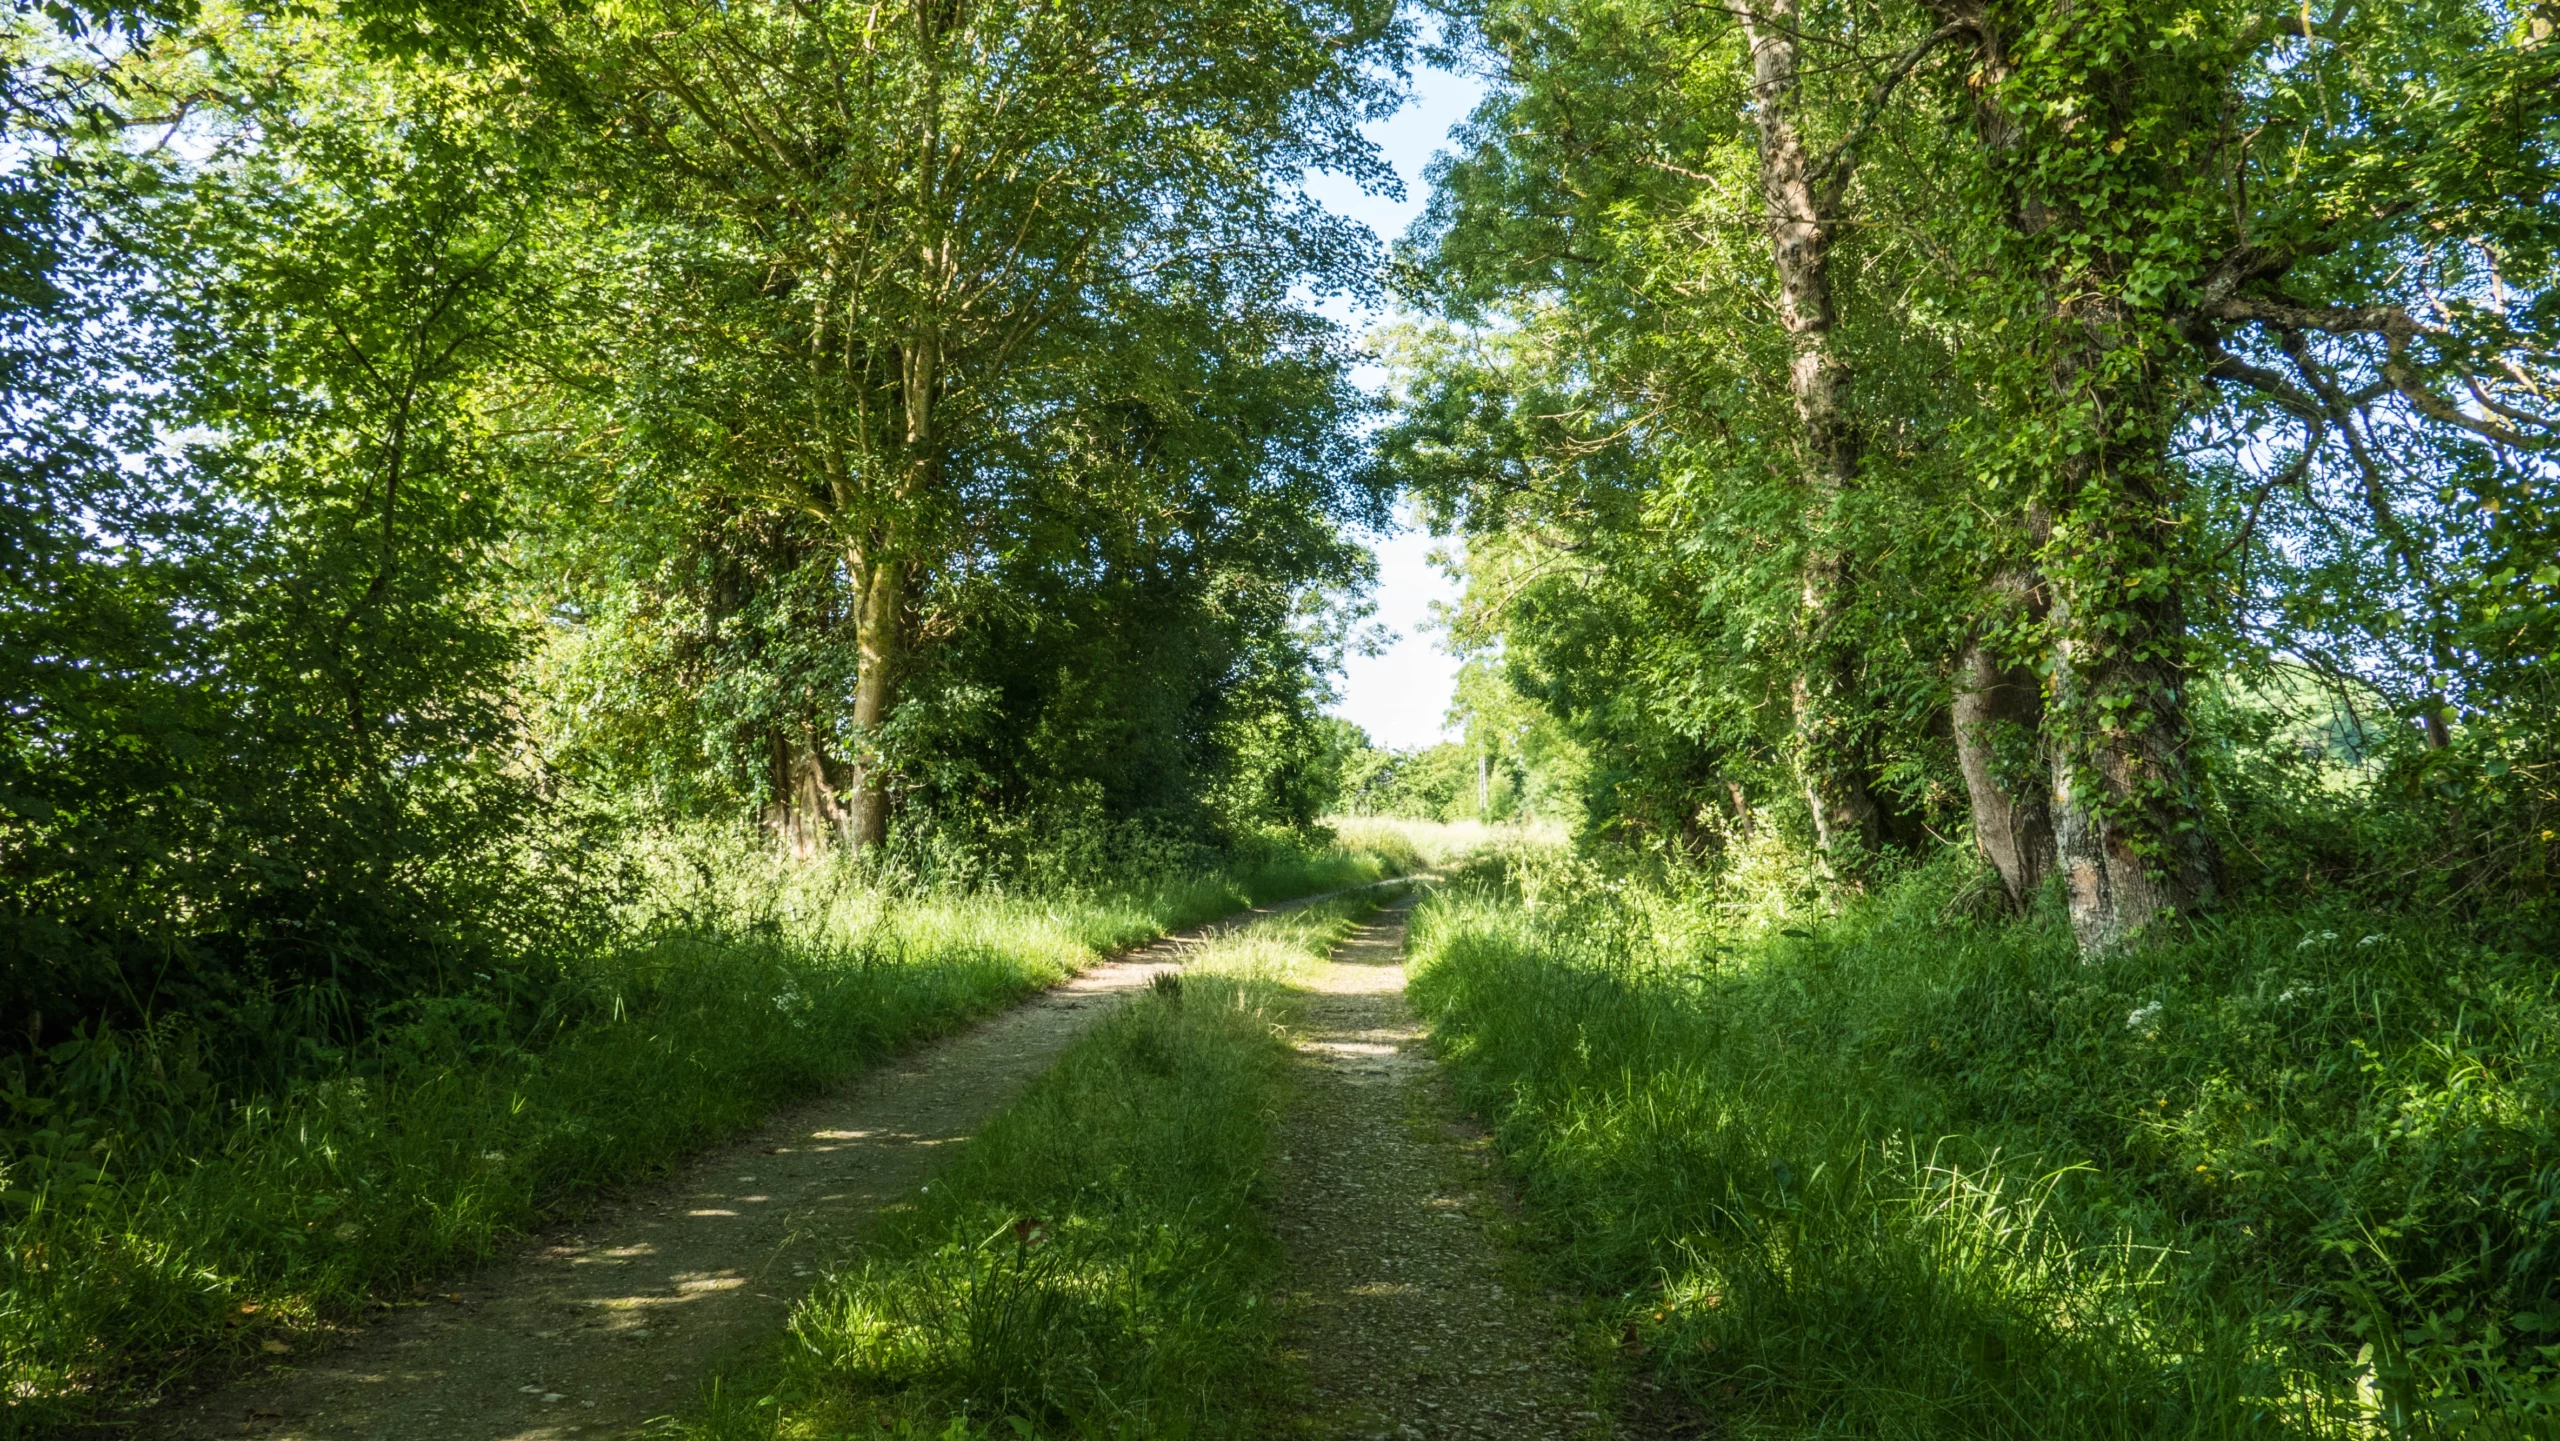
(1878, 417)
(438, 439)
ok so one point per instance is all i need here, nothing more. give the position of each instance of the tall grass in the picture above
(157, 1229)
(1907, 1174)
(1094, 1265)
(1420, 844)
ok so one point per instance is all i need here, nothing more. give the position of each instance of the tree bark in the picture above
(1797, 207)
(878, 633)
(805, 814)
(2128, 832)
(1999, 725)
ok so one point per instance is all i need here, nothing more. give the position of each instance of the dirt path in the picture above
(1398, 1309)
(599, 1329)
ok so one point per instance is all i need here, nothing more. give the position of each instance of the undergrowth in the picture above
(1907, 1174)
(159, 1226)
(1094, 1264)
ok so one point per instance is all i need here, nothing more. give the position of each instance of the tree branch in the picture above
(2227, 366)
(1832, 171)
(2290, 475)
(2398, 329)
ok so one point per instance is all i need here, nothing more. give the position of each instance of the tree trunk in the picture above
(805, 813)
(2128, 821)
(1999, 725)
(880, 573)
(1796, 206)
(879, 621)
(1999, 716)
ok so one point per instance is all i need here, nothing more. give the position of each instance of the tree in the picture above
(933, 221)
(2142, 195)
(1690, 244)
(262, 751)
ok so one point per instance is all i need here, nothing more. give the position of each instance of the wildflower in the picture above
(2144, 1018)
(2316, 938)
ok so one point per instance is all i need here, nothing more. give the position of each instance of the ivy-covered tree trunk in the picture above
(2128, 832)
(2061, 95)
(1796, 207)
(2128, 818)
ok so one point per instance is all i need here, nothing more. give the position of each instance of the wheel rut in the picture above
(1397, 1310)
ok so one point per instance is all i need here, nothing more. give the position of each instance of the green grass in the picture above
(1095, 1264)
(1908, 1174)
(157, 1231)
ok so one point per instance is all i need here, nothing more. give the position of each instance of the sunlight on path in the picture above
(1397, 1307)
(602, 1328)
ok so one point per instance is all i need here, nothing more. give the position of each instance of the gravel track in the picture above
(1398, 1309)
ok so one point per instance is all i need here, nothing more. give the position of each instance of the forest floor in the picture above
(602, 1327)
(1400, 1306)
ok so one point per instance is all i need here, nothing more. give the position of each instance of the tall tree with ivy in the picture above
(2319, 231)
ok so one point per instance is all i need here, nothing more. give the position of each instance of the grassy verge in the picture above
(158, 1231)
(1904, 1174)
(1094, 1264)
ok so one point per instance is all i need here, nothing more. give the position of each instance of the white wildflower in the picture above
(2144, 1018)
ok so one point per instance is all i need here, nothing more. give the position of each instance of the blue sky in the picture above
(1401, 698)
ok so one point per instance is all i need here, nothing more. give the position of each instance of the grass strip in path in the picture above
(614, 1322)
(1095, 1264)
(1397, 1306)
